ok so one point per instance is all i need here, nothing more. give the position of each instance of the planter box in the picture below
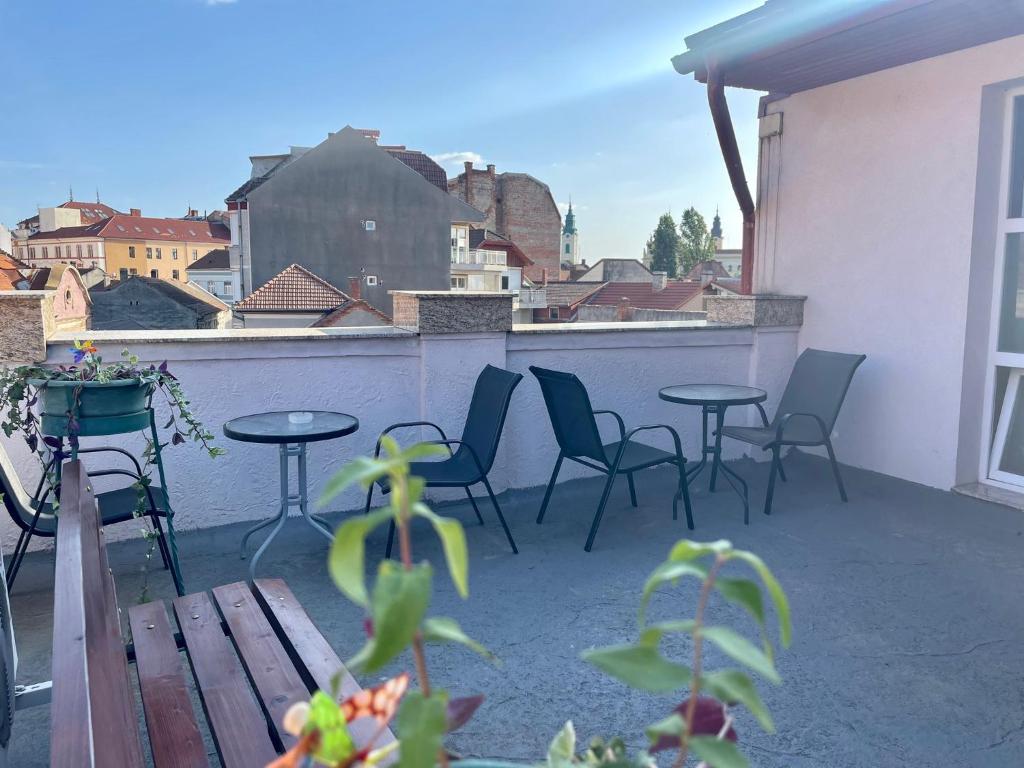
(103, 408)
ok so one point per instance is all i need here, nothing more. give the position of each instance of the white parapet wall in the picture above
(387, 375)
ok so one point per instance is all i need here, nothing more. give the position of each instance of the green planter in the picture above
(104, 408)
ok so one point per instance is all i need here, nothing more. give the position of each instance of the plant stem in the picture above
(698, 644)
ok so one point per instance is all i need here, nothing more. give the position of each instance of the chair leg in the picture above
(501, 517)
(632, 489)
(161, 542)
(684, 491)
(475, 507)
(16, 557)
(782, 474)
(391, 539)
(547, 493)
(600, 510)
(771, 481)
(835, 470)
(369, 498)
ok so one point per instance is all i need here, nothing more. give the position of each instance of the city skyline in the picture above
(590, 105)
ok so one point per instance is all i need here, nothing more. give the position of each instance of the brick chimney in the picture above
(544, 276)
(468, 165)
(137, 212)
(490, 170)
(625, 311)
(355, 287)
(659, 280)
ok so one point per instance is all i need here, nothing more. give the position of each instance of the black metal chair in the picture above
(806, 414)
(474, 456)
(572, 419)
(34, 515)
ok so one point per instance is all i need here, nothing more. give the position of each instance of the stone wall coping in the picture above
(233, 335)
(759, 297)
(24, 295)
(454, 294)
(619, 327)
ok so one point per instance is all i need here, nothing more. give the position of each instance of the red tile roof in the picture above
(643, 296)
(10, 275)
(569, 293)
(423, 164)
(91, 212)
(122, 226)
(331, 319)
(294, 289)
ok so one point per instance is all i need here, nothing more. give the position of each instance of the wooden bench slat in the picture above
(236, 720)
(88, 619)
(311, 652)
(269, 666)
(174, 734)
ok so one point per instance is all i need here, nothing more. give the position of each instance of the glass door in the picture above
(1006, 354)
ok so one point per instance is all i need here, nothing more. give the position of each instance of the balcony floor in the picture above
(909, 627)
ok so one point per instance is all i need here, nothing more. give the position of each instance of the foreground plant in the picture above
(701, 726)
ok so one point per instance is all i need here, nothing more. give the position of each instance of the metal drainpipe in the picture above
(733, 163)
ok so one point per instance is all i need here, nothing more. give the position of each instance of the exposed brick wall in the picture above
(520, 208)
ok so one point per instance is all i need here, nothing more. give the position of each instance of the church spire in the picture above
(570, 222)
(716, 225)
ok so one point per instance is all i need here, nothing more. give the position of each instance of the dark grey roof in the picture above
(215, 259)
(184, 294)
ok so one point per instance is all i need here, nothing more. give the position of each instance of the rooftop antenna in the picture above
(97, 195)
(71, 194)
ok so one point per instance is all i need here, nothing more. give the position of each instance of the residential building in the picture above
(6, 242)
(892, 138)
(213, 273)
(562, 301)
(71, 307)
(519, 207)
(569, 250)
(347, 207)
(297, 298)
(618, 271)
(150, 303)
(12, 274)
(122, 245)
(483, 260)
(657, 299)
(88, 213)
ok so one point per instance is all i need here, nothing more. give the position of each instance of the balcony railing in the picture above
(530, 298)
(479, 257)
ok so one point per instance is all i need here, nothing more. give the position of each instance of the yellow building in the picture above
(127, 244)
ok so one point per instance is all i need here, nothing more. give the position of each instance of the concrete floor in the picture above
(909, 623)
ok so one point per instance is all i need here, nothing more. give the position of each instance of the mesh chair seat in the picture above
(456, 471)
(799, 431)
(115, 507)
(637, 456)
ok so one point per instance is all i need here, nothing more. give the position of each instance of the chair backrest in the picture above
(487, 411)
(572, 416)
(818, 385)
(18, 503)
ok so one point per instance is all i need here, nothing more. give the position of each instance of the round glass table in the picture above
(291, 430)
(716, 399)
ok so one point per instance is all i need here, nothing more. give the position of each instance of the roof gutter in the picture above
(734, 164)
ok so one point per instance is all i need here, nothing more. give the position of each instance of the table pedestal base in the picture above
(715, 451)
(288, 500)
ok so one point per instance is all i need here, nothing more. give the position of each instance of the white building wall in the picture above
(868, 207)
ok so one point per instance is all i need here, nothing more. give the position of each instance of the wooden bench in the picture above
(252, 651)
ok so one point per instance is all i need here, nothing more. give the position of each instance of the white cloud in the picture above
(21, 165)
(564, 207)
(456, 159)
(220, 2)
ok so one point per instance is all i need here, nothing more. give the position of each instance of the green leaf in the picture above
(685, 549)
(775, 592)
(421, 723)
(362, 470)
(438, 629)
(652, 635)
(563, 747)
(673, 725)
(424, 451)
(640, 666)
(334, 744)
(742, 650)
(669, 571)
(730, 686)
(744, 593)
(453, 539)
(718, 753)
(348, 554)
(400, 600)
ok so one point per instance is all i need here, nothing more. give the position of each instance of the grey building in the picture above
(149, 303)
(347, 207)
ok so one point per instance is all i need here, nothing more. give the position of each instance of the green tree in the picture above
(696, 243)
(663, 247)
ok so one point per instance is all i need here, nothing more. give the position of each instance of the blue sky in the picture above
(159, 103)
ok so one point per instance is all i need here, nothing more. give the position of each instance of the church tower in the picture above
(716, 231)
(569, 249)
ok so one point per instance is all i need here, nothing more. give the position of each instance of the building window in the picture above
(458, 282)
(32, 252)
(131, 251)
(504, 282)
(195, 254)
(124, 273)
(78, 251)
(154, 273)
(568, 248)
(227, 289)
(174, 254)
(175, 274)
(158, 253)
(553, 313)
(211, 287)
(133, 271)
(149, 253)
(46, 252)
(370, 225)
(88, 250)
(371, 279)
